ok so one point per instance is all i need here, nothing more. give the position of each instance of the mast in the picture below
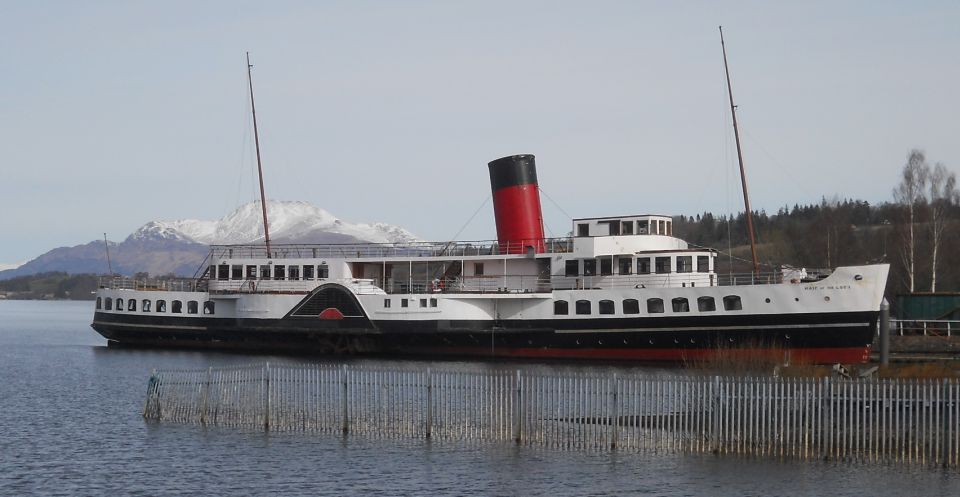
(256, 140)
(743, 174)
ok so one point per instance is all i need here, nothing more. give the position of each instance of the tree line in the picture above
(917, 232)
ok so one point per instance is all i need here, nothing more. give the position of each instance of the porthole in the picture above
(767, 300)
(796, 299)
(826, 299)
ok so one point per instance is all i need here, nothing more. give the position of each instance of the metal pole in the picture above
(345, 424)
(884, 333)
(429, 402)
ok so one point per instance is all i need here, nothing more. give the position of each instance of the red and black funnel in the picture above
(516, 204)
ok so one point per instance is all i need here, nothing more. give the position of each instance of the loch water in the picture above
(71, 424)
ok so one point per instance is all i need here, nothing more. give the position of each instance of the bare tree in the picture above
(943, 194)
(909, 193)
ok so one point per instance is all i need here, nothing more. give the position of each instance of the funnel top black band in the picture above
(512, 171)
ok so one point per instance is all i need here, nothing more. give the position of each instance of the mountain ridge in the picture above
(180, 246)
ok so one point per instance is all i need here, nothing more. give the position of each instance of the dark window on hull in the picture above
(631, 306)
(572, 268)
(223, 272)
(706, 304)
(145, 305)
(176, 307)
(680, 304)
(606, 266)
(654, 306)
(308, 272)
(606, 307)
(732, 303)
(132, 304)
(119, 304)
(108, 304)
(583, 307)
(323, 272)
(280, 272)
(192, 307)
(99, 303)
(236, 272)
(265, 272)
(161, 306)
(561, 308)
(209, 307)
(252, 272)
(294, 273)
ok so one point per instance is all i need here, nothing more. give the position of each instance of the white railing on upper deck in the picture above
(380, 250)
(152, 284)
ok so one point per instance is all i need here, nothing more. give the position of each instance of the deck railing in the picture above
(152, 284)
(380, 250)
(875, 421)
(925, 327)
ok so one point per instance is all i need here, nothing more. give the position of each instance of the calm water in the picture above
(70, 424)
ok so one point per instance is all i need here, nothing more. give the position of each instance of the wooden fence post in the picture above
(343, 396)
(429, 417)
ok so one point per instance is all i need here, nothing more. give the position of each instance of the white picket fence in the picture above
(873, 420)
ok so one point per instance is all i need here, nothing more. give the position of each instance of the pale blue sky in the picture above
(116, 113)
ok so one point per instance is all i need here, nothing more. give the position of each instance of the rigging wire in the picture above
(482, 204)
(555, 204)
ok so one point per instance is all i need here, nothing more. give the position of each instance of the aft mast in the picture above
(743, 174)
(256, 140)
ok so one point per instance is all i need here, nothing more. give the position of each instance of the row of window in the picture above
(176, 306)
(661, 265)
(388, 303)
(654, 305)
(225, 272)
(618, 227)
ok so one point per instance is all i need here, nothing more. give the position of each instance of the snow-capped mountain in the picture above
(179, 247)
(290, 221)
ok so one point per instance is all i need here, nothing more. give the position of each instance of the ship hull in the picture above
(842, 337)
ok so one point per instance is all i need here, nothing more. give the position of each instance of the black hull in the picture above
(820, 338)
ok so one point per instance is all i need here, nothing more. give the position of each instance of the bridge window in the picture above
(223, 272)
(280, 272)
(236, 272)
(662, 227)
(627, 228)
(209, 307)
(294, 273)
(583, 229)
(99, 302)
(606, 307)
(308, 272)
(132, 304)
(561, 307)
(572, 268)
(631, 306)
(590, 267)
(654, 306)
(706, 304)
(161, 306)
(119, 304)
(176, 307)
(323, 272)
(670, 228)
(643, 227)
(265, 272)
(662, 265)
(703, 264)
(732, 303)
(192, 307)
(643, 265)
(478, 269)
(685, 264)
(108, 304)
(680, 304)
(583, 307)
(252, 272)
(626, 265)
(606, 266)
